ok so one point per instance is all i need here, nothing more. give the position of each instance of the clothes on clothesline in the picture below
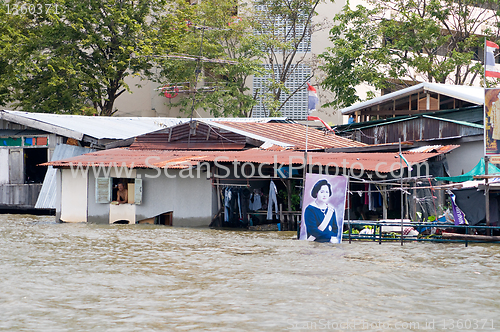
(272, 199)
(236, 204)
(255, 201)
(239, 201)
(371, 197)
(227, 204)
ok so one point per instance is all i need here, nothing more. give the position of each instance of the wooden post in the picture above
(216, 171)
(281, 217)
(348, 208)
(414, 201)
(384, 202)
(487, 192)
(402, 206)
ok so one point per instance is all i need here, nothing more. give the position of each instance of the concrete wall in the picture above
(73, 197)
(97, 213)
(147, 101)
(190, 199)
(320, 41)
(464, 158)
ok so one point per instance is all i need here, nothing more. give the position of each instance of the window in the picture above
(106, 190)
(296, 107)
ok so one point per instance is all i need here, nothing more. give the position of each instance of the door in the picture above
(16, 166)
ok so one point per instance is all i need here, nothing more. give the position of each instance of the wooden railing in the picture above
(289, 219)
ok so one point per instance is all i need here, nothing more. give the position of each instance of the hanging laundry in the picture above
(272, 199)
(250, 203)
(245, 201)
(371, 199)
(227, 204)
(239, 205)
(257, 201)
(366, 194)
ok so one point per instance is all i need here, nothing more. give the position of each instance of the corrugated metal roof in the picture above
(292, 135)
(102, 127)
(471, 94)
(381, 162)
(463, 123)
(264, 138)
(433, 149)
(47, 197)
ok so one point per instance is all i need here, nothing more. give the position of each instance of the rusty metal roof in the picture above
(125, 157)
(294, 134)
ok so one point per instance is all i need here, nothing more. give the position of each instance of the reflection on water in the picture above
(78, 277)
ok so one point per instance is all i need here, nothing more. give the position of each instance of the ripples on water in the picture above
(79, 277)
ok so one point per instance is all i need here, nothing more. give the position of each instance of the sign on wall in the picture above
(491, 122)
(323, 208)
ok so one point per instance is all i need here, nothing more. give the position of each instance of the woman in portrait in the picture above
(495, 117)
(320, 217)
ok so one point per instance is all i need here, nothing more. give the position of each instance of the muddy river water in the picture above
(80, 277)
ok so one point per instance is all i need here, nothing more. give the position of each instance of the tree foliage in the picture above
(396, 43)
(264, 32)
(75, 57)
(217, 30)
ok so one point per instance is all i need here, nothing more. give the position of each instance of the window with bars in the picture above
(296, 107)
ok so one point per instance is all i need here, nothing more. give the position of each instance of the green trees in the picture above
(220, 32)
(397, 42)
(262, 32)
(75, 56)
(75, 59)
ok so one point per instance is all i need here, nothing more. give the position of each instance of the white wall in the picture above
(147, 101)
(73, 197)
(464, 158)
(4, 166)
(122, 212)
(189, 199)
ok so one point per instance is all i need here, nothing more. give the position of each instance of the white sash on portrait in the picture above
(325, 222)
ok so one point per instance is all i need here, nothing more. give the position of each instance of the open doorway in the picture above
(32, 158)
(165, 219)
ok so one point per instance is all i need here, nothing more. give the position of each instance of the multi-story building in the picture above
(148, 101)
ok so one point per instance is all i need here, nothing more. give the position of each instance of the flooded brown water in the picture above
(79, 277)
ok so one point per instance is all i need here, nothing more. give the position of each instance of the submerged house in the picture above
(182, 175)
(424, 116)
(29, 139)
(421, 115)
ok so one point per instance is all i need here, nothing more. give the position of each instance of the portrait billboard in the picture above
(491, 122)
(323, 208)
